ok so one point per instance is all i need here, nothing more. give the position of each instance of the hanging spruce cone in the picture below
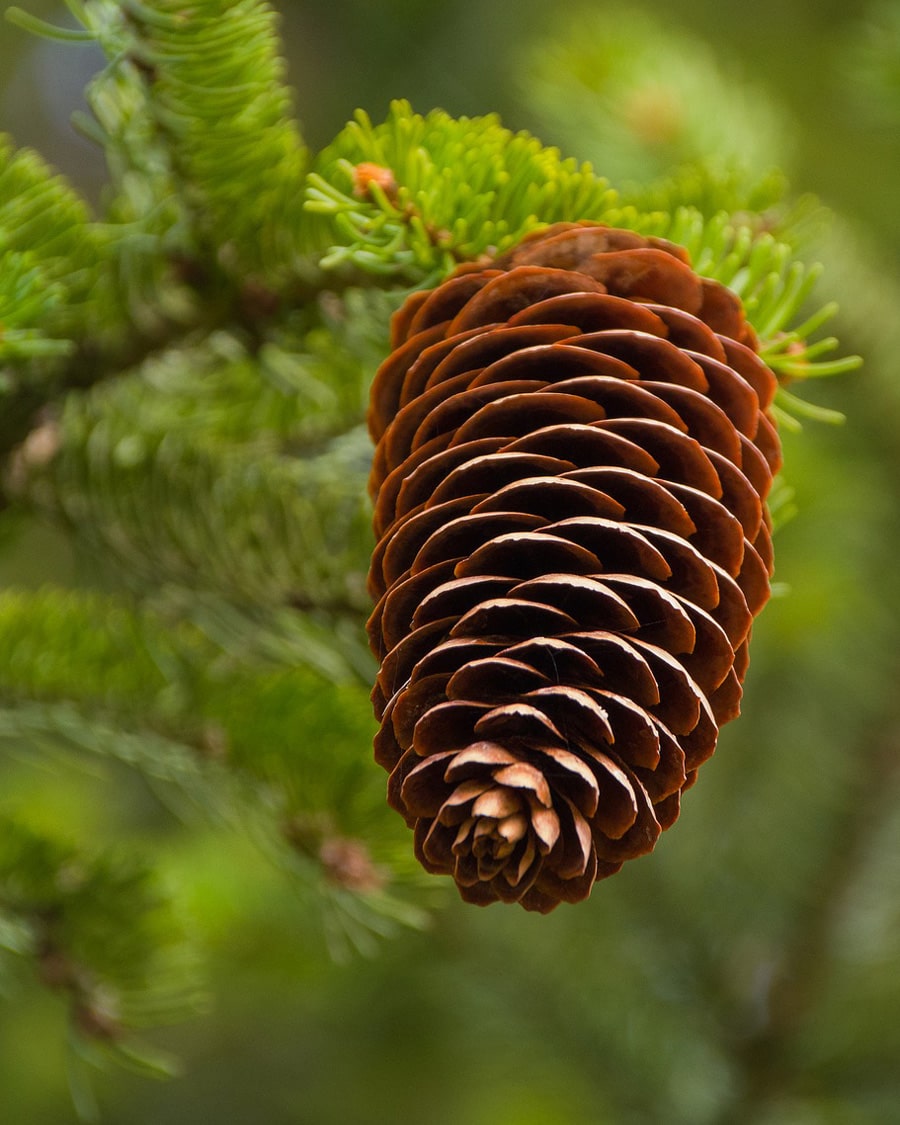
(573, 454)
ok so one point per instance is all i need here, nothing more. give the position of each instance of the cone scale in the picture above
(573, 453)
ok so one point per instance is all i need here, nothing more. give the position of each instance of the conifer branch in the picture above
(91, 674)
(169, 243)
(215, 84)
(194, 115)
(278, 528)
(98, 930)
(453, 190)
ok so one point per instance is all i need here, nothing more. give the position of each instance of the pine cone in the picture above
(573, 453)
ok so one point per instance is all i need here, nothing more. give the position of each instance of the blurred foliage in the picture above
(183, 670)
(873, 65)
(639, 96)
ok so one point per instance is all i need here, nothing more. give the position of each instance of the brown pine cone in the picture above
(574, 448)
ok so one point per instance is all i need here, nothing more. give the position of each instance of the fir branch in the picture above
(215, 735)
(711, 189)
(262, 528)
(295, 390)
(216, 79)
(36, 26)
(66, 732)
(173, 262)
(74, 663)
(763, 204)
(194, 101)
(195, 118)
(286, 823)
(97, 929)
(330, 643)
(151, 664)
(455, 190)
(62, 644)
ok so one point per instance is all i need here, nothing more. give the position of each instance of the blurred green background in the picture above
(748, 971)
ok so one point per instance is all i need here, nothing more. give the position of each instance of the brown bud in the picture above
(348, 863)
(366, 174)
